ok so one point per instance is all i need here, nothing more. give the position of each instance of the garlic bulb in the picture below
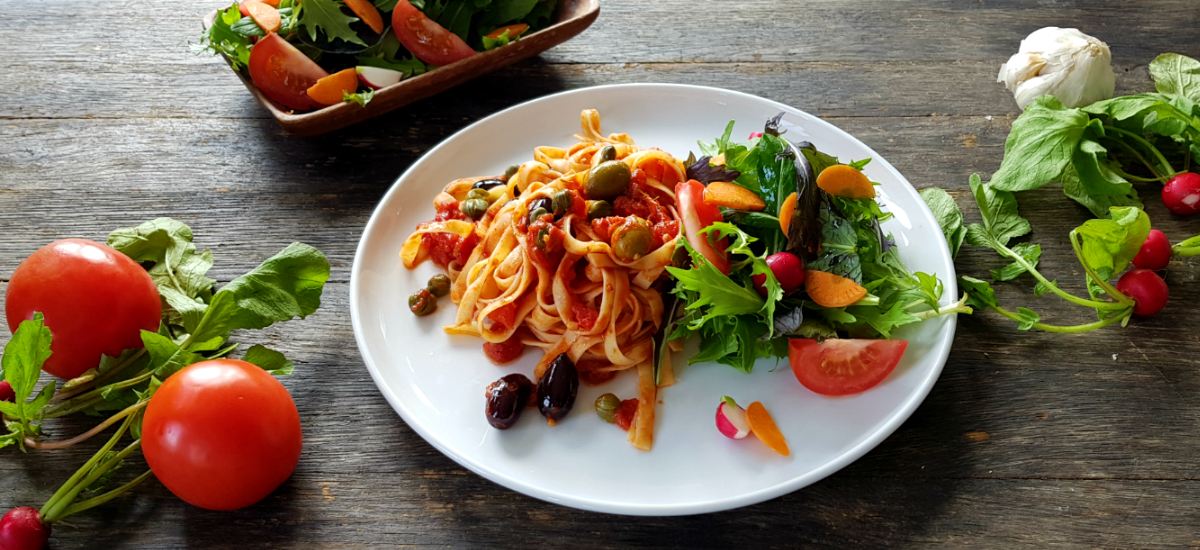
(1072, 66)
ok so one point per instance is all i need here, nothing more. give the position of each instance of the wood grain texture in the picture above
(1028, 440)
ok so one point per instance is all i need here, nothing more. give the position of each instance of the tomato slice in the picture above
(698, 215)
(843, 366)
(425, 38)
(283, 73)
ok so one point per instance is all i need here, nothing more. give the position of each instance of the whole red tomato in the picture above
(222, 434)
(95, 300)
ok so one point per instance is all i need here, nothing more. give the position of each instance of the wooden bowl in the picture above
(571, 18)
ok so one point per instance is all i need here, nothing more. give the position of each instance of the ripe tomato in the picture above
(222, 434)
(698, 215)
(283, 73)
(842, 366)
(425, 38)
(95, 300)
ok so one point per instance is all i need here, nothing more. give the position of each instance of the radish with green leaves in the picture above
(1147, 289)
(22, 529)
(1155, 253)
(1181, 194)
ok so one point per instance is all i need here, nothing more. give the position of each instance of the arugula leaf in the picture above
(326, 16)
(286, 285)
(1001, 221)
(389, 5)
(501, 12)
(839, 246)
(270, 360)
(1099, 205)
(758, 265)
(490, 43)
(883, 321)
(383, 55)
(1040, 145)
(1176, 75)
(455, 15)
(720, 145)
(949, 217)
(541, 14)
(1029, 251)
(1110, 244)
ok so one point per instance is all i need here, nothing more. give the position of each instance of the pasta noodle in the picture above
(563, 283)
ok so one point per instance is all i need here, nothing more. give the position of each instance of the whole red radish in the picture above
(95, 300)
(1146, 288)
(6, 392)
(788, 269)
(1155, 253)
(1181, 194)
(222, 434)
(22, 529)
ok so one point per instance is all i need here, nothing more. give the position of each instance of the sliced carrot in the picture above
(329, 90)
(513, 31)
(785, 212)
(366, 11)
(846, 181)
(732, 195)
(764, 427)
(829, 290)
(264, 15)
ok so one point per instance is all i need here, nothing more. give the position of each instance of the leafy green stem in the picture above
(49, 446)
(60, 509)
(1190, 247)
(101, 499)
(1134, 178)
(1096, 304)
(1070, 329)
(90, 398)
(67, 394)
(1170, 172)
(57, 499)
(959, 307)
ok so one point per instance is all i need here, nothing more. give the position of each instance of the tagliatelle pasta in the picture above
(565, 282)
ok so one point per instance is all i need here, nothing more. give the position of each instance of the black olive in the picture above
(506, 398)
(557, 389)
(545, 203)
(487, 184)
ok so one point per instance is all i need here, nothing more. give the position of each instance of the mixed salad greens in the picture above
(848, 281)
(354, 47)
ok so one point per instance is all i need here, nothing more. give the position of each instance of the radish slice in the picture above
(378, 77)
(731, 419)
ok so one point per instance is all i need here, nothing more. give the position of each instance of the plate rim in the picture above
(849, 456)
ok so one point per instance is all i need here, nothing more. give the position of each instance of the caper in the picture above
(561, 201)
(478, 193)
(557, 389)
(608, 180)
(422, 302)
(541, 237)
(608, 152)
(631, 240)
(439, 285)
(599, 209)
(536, 214)
(511, 171)
(474, 208)
(606, 407)
(487, 184)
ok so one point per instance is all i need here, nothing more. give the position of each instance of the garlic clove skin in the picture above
(1068, 64)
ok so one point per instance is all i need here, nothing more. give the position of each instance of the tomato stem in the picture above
(49, 446)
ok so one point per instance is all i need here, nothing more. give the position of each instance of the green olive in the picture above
(511, 171)
(606, 407)
(536, 215)
(631, 240)
(561, 201)
(478, 193)
(599, 209)
(439, 285)
(475, 208)
(608, 180)
(608, 152)
(422, 302)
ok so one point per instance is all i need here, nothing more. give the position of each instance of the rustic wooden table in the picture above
(1027, 439)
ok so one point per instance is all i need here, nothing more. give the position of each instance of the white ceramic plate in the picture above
(436, 381)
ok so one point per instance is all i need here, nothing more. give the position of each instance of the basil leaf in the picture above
(1040, 145)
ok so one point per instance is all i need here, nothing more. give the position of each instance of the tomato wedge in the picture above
(698, 215)
(283, 73)
(843, 366)
(425, 38)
